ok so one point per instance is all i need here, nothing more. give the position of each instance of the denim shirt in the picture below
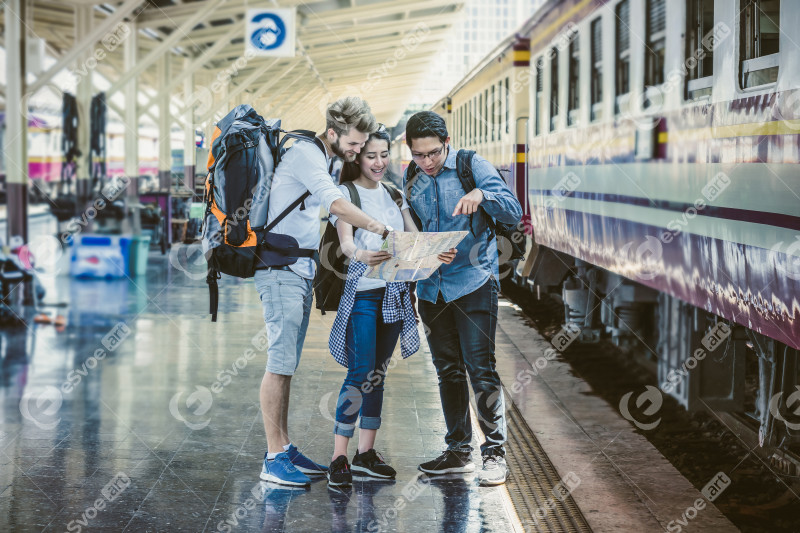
(434, 199)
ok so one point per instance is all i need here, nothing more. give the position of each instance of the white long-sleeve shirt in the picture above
(303, 168)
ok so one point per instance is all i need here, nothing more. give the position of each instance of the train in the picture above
(654, 147)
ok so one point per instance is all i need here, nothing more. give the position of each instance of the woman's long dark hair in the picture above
(351, 171)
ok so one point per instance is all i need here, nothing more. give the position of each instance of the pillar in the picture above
(16, 134)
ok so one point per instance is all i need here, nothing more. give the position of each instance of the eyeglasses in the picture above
(430, 155)
(381, 128)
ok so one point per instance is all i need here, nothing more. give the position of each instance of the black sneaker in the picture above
(449, 462)
(339, 474)
(372, 464)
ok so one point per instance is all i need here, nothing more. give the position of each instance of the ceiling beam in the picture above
(165, 45)
(195, 65)
(80, 47)
(363, 13)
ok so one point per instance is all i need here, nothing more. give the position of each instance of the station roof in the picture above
(377, 49)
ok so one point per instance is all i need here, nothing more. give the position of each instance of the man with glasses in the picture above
(458, 303)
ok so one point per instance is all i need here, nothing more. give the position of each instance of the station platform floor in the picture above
(141, 415)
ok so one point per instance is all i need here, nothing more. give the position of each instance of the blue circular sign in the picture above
(271, 34)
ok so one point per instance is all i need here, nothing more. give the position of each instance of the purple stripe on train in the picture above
(755, 287)
(779, 220)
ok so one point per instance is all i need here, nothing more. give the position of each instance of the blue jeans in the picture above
(369, 345)
(461, 337)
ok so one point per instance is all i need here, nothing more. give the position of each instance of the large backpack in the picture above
(332, 270)
(245, 150)
(510, 237)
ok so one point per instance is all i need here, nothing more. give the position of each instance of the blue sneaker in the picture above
(304, 464)
(281, 470)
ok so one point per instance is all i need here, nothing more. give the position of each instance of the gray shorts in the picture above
(286, 301)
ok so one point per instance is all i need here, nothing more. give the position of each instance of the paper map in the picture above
(413, 254)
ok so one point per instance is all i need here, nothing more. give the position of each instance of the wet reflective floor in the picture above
(142, 415)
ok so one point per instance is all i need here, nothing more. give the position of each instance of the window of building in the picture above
(573, 89)
(623, 49)
(537, 100)
(596, 88)
(699, 47)
(554, 108)
(759, 37)
(655, 44)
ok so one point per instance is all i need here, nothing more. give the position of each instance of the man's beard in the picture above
(340, 152)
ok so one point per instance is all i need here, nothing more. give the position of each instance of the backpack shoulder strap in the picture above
(411, 174)
(301, 135)
(288, 210)
(464, 169)
(355, 199)
(467, 178)
(411, 171)
(397, 198)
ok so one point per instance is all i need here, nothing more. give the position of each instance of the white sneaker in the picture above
(494, 471)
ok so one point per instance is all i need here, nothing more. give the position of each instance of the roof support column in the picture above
(132, 131)
(83, 25)
(189, 151)
(16, 134)
(164, 126)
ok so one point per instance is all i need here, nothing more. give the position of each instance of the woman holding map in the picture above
(372, 313)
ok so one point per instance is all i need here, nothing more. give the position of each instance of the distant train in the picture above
(45, 156)
(654, 147)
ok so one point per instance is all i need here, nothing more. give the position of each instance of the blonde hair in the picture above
(350, 112)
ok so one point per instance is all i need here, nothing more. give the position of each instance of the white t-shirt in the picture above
(378, 204)
(303, 168)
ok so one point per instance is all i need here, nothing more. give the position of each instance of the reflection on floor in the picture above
(141, 415)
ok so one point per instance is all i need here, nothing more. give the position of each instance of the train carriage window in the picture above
(457, 130)
(596, 88)
(475, 120)
(759, 22)
(655, 43)
(460, 125)
(494, 112)
(553, 89)
(486, 116)
(481, 118)
(537, 101)
(573, 99)
(699, 47)
(508, 106)
(500, 107)
(623, 41)
(470, 126)
(463, 124)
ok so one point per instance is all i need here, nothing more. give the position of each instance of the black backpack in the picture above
(245, 150)
(332, 270)
(511, 241)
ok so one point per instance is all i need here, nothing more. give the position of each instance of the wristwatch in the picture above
(386, 231)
